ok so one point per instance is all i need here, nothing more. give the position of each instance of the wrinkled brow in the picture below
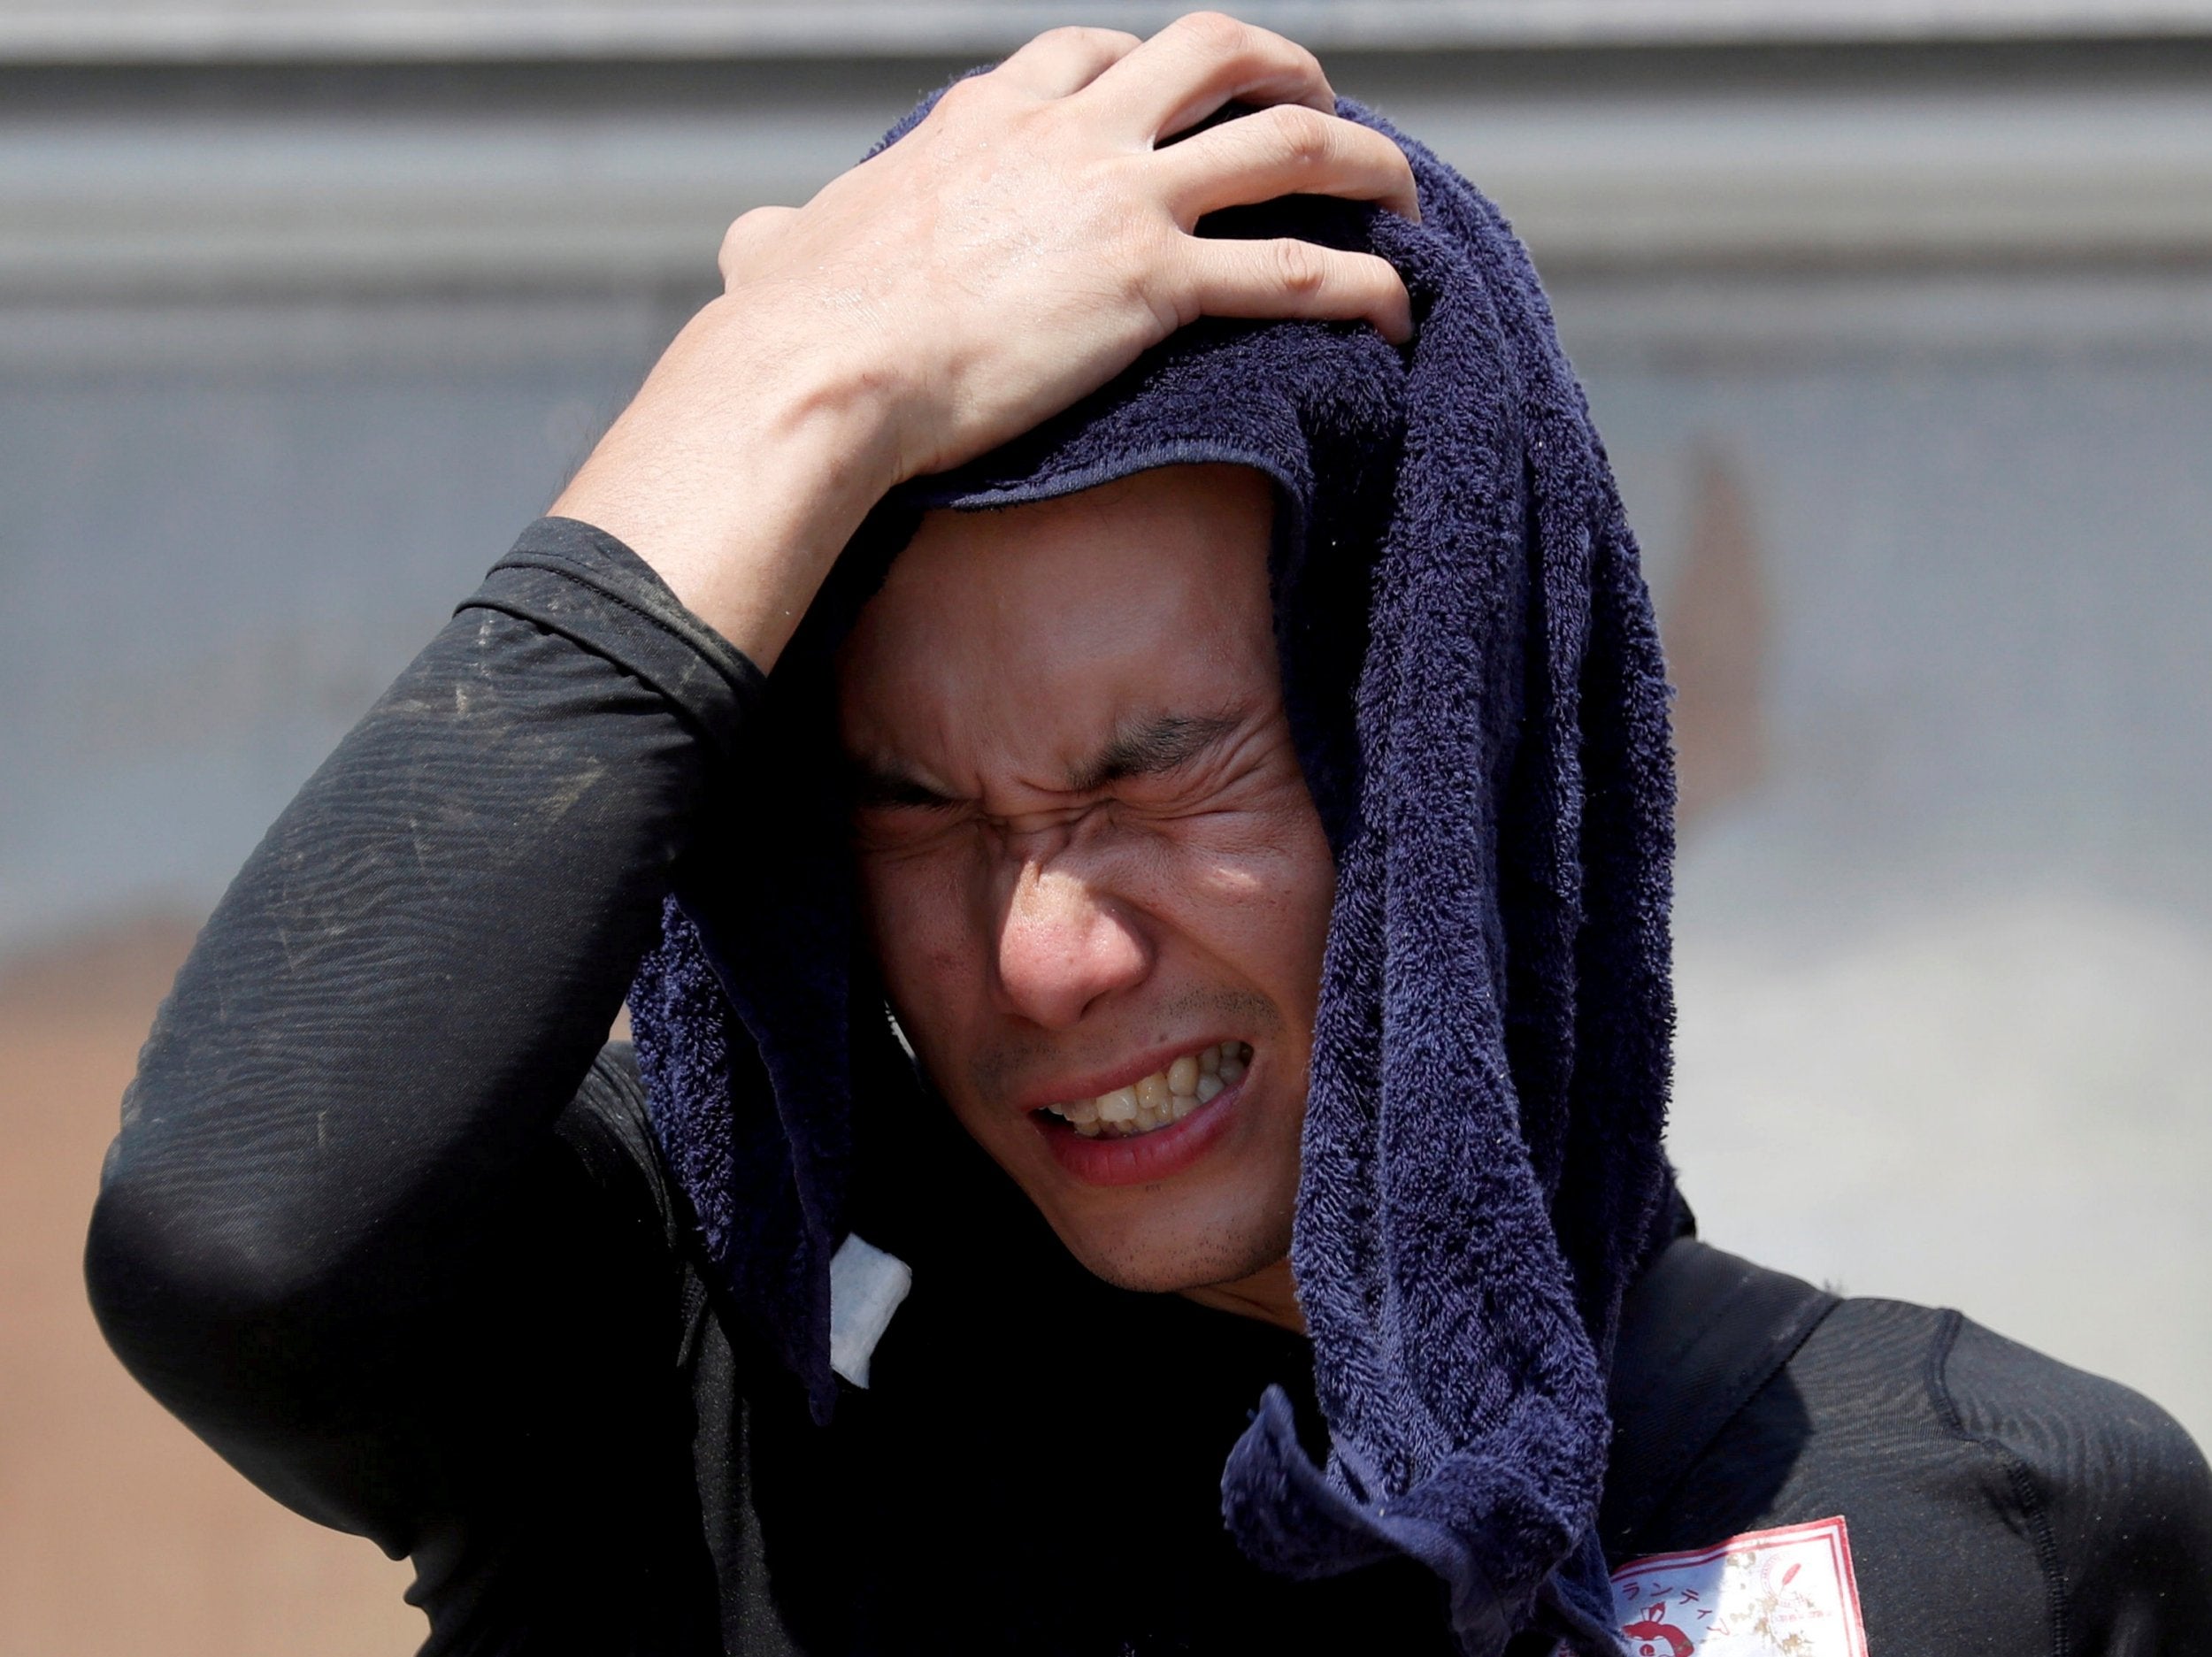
(1150, 749)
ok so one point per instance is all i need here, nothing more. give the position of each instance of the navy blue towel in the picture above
(1475, 685)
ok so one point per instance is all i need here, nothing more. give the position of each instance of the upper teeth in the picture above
(1163, 1097)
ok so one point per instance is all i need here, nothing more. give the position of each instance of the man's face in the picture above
(1090, 863)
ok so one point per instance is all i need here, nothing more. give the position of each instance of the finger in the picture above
(1197, 64)
(1287, 278)
(1285, 150)
(1061, 62)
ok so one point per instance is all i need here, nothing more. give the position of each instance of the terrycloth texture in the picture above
(1475, 686)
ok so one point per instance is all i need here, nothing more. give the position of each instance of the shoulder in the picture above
(2116, 1490)
(1994, 1498)
(2030, 1483)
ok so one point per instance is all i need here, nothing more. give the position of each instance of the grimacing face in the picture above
(1091, 871)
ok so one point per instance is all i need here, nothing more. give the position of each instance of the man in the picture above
(1294, 966)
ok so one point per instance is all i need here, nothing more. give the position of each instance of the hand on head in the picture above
(1031, 236)
(1024, 244)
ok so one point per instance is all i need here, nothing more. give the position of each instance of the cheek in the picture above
(1264, 885)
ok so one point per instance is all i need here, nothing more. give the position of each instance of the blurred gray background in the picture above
(1897, 319)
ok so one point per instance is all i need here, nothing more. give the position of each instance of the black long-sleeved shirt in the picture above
(384, 1225)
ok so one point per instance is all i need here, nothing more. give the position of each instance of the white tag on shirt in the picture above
(867, 1285)
(1768, 1594)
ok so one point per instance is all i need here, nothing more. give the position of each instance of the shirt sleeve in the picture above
(2110, 1489)
(340, 1233)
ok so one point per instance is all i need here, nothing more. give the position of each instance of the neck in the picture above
(1268, 1294)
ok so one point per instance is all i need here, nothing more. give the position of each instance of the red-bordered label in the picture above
(1789, 1593)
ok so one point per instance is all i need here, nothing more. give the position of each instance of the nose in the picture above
(1062, 946)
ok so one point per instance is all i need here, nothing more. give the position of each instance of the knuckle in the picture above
(1214, 31)
(747, 229)
(962, 94)
(1087, 35)
(1305, 135)
(1299, 268)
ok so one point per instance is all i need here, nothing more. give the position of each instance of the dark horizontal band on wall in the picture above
(210, 31)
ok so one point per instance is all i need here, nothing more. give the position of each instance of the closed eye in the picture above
(872, 787)
(1159, 751)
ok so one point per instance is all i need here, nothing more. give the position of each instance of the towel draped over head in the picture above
(1474, 684)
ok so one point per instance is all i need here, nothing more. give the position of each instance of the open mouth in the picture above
(1160, 1100)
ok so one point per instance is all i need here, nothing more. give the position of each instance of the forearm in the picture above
(747, 459)
(359, 1068)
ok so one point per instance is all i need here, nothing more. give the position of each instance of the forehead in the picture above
(1013, 635)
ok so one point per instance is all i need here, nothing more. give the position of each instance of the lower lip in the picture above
(1146, 1159)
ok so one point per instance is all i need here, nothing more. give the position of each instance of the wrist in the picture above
(741, 470)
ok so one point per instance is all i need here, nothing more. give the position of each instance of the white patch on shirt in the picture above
(1789, 1593)
(866, 1286)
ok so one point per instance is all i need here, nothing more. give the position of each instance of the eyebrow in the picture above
(1152, 748)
